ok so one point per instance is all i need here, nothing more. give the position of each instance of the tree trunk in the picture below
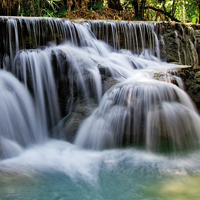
(199, 10)
(135, 4)
(76, 4)
(142, 7)
(8, 7)
(115, 4)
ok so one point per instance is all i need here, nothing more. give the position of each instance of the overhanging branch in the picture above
(163, 12)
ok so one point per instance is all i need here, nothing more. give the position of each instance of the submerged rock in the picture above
(68, 126)
(9, 148)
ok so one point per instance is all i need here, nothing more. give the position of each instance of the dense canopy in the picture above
(158, 10)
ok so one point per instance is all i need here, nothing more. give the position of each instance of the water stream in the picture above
(141, 137)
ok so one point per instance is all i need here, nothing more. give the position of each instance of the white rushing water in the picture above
(137, 111)
(142, 111)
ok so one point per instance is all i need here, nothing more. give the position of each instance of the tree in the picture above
(165, 9)
(139, 7)
(199, 9)
(192, 10)
(77, 4)
(8, 7)
(115, 4)
(177, 10)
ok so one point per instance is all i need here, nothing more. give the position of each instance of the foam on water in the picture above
(59, 169)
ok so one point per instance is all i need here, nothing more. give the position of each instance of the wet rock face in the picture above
(197, 36)
(182, 43)
(191, 80)
(177, 42)
(171, 47)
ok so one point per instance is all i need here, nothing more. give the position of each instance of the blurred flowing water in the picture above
(140, 142)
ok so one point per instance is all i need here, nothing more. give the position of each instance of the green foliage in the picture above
(53, 4)
(97, 6)
(182, 10)
(46, 8)
(49, 13)
(127, 4)
(54, 13)
(29, 8)
(62, 11)
(191, 7)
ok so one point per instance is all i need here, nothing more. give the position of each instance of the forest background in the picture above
(147, 10)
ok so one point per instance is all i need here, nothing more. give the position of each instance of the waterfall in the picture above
(24, 32)
(19, 122)
(141, 111)
(56, 64)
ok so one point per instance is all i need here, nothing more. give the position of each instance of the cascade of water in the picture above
(38, 31)
(167, 121)
(34, 68)
(84, 70)
(132, 36)
(136, 106)
(130, 111)
(136, 37)
(18, 120)
(34, 32)
(74, 70)
(13, 24)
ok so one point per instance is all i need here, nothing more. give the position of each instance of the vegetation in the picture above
(175, 10)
